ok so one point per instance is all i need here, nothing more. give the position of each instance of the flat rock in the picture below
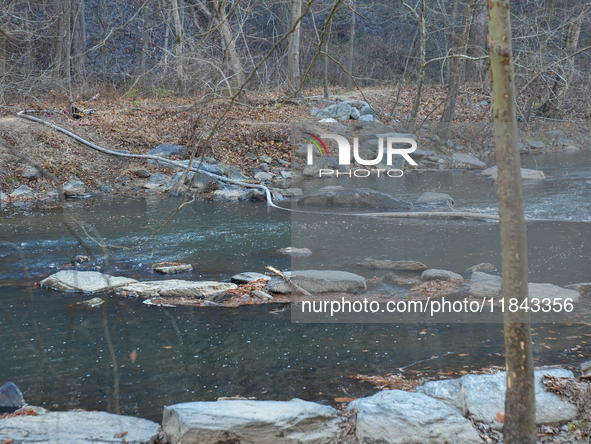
(231, 195)
(31, 173)
(75, 188)
(448, 391)
(431, 198)
(295, 251)
(434, 274)
(84, 281)
(249, 276)
(319, 281)
(10, 396)
(583, 287)
(22, 191)
(486, 285)
(485, 397)
(170, 267)
(263, 176)
(464, 161)
(251, 422)
(77, 428)
(353, 197)
(320, 163)
(386, 264)
(525, 174)
(482, 267)
(366, 118)
(176, 288)
(169, 150)
(398, 417)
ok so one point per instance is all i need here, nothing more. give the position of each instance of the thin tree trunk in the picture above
(231, 51)
(293, 50)
(553, 107)
(520, 405)
(105, 46)
(3, 40)
(325, 50)
(79, 41)
(178, 45)
(68, 51)
(457, 67)
(422, 64)
(145, 43)
(477, 71)
(349, 82)
(58, 38)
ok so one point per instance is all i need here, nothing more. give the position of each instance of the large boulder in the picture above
(10, 397)
(398, 417)
(318, 281)
(353, 197)
(339, 111)
(84, 281)
(176, 288)
(250, 422)
(485, 285)
(77, 428)
(386, 264)
(463, 161)
(525, 174)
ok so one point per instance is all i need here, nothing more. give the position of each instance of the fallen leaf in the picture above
(344, 399)
(500, 417)
(463, 355)
(120, 435)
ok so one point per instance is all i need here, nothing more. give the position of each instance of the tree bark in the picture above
(520, 405)
(58, 38)
(420, 16)
(3, 40)
(477, 71)
(349, 82)
(178, 45)
(145, 44)
(553, 106)
(293, 51)
(232, 52)
(457, 67)
(325, 50)
(79, 41)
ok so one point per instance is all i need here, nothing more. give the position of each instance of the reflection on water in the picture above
(57, 351)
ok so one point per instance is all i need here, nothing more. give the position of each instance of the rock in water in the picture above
(171, 267)
(295, 251)
(249, 276)
(482, 267)
(94, 302)
(466, 162)
(583, 287)
(78, 428)
(318, 281)
(83, 281)
(386, 264)
(397, 417)
(11, 397)
(353, 197)
(439, 275)
(525, 174)
(261, 422)
(434, 199)
(176, 288)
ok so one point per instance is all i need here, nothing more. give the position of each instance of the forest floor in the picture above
(264, 127)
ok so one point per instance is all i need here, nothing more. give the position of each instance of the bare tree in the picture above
(178, 45)
(349, 80)
(79, 40)
(293, 52)
(420, 17)
(520, 405)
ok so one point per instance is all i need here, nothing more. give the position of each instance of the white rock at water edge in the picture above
(84, 281)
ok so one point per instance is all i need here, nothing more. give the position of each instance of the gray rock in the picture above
(357, 103)
(260, 422)
(482, 267)
(248, 276)
(464, 161)
(459, 147)
(368, 111)
(213, 169)
(156, 180)
(430, 198)
(397, 417)
(266, 159)
(314, 111)
(77, 428)
(234, 174)
(366, 118)
(285, 174)
(22, 191)
(295, 251)
(281, 161)
(583, 287)
(585, 370)
(168, 268)
(485, 397)
(449, 144)
(250, 156)
(340, 111)
(320, 163)
(84, 281)
(424, 154)
(555, 134)
(3, 197)
(353, 197)
(168, 151)
(11, 397)
(448, 391)
(143, 174)
(355, 114)
(485, 285)
(31, 173)
(434, 274)
(175, 288)
(319, 281)
(230, 195)
(261, 294)
(263, 176)
(572, 148)
(302, 151)
(535, 144)
(386, 264)
(291, 192)
(525, 173)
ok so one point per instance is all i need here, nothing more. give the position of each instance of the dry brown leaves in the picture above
(20, 412)
(576, 392)
(436, 288)
(389, 382)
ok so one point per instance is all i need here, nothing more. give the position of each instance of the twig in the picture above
(288, 280)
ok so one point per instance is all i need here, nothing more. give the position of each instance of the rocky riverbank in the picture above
(465, 410)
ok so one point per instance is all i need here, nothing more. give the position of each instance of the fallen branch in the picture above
(288, 280)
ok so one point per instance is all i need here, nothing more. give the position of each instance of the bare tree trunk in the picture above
(293, 51)
(553, 106)
(420, 16)
(105, 46)
(58, 38)
(79, 41)
(478, 70)
(3, 41)
(325, 50)
(457, 67)
(145, 44)
(226, 30)
(349, 82)
(178, 45)
(520, 405)
(68, 51)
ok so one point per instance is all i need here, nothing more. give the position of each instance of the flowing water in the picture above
(61, 353)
